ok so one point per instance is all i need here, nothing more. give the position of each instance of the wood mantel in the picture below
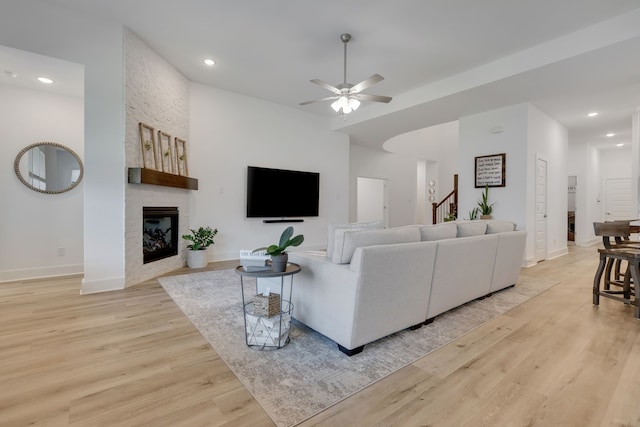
(150, 176)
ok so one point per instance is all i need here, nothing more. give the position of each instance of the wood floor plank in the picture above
(131, 358)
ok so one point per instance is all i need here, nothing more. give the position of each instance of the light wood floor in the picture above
(132, 358)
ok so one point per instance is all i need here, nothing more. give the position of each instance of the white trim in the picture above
(558, 253)
(96, 286)
(588, 242)
(41, 272)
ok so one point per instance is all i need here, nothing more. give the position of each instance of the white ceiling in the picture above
(441, 59)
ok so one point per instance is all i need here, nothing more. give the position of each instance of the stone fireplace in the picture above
(159, 233)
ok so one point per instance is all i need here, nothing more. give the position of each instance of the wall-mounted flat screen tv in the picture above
(280, 193)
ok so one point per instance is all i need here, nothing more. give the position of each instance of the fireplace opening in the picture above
(159, 233)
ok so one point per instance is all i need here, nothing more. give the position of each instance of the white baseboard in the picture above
(105, 285)
(588, 242)
(558, 253)
(551, 255)
(41, 272)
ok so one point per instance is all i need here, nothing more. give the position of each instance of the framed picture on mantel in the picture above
(490, 170)
(181, 156)
(164, 142)
(148, 145)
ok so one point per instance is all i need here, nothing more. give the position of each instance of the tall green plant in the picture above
(483, 204)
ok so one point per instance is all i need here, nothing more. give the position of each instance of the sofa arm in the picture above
(394, 284)
(324, 295)
(509, 259)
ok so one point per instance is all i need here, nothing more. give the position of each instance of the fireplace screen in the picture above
(159, 233)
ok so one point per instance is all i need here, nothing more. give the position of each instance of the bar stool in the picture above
(615, 235)
(613, 253)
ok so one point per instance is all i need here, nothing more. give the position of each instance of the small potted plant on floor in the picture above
(483, 204)
(201, 239)
(279, 256)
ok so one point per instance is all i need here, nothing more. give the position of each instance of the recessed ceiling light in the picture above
(592, 114)
(609, 135)
(619, 145)
(209, 62)
(45, 80)
(11, 74)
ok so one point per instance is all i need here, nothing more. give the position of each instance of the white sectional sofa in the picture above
(373, 282)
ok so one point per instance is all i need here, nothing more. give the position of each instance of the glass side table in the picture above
(263, 331)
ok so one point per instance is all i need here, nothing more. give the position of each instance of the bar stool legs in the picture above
(608, 257)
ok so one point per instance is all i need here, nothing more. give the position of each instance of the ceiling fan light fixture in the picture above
(345, 94)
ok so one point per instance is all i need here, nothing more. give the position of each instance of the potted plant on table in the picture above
(279, 256)
(201, 239)
(483, 204)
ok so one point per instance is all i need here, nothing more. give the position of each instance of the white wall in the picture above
(526, 133)
(592, 167)
(34, 225)
(230, 132)
(399, 170)
(548, 140)
(98, 45)
(615, 163)
(438, 147)
(477, 139)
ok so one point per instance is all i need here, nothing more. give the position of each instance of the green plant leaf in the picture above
(286, 235)
(296, 241)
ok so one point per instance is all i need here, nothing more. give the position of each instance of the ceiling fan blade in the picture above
(374, 98)
(366, 83)
(318, 100)
(325, 85)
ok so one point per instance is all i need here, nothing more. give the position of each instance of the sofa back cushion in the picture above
(445, 230)
(352, 226)
(499, 226)
(471, 228)
(347, 241)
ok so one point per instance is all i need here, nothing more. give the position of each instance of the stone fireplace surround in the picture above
(158, 95)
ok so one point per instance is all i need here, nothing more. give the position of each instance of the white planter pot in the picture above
(197, 259)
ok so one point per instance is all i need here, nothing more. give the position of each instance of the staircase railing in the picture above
(447, 206)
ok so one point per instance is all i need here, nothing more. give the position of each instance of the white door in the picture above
(617, 199)
(541, 209)
(372, 200)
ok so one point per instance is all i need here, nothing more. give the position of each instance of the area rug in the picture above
(310, 374)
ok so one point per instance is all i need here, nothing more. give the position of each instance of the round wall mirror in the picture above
(48, 167)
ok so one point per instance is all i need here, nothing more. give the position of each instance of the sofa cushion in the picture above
(471, 228)
(500, 226)
(445, 230)
(351, 226)
(347, 241)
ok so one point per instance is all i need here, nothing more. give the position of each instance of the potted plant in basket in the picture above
(483, 204)
(279, 256)
(201, 239)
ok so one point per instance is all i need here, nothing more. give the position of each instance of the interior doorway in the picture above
(617, 199)
(372, 200)
(571, 208)
(541, 209)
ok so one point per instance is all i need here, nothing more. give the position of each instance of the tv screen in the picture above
(279, 193)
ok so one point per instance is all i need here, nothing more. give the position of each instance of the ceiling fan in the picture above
(347, 96)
